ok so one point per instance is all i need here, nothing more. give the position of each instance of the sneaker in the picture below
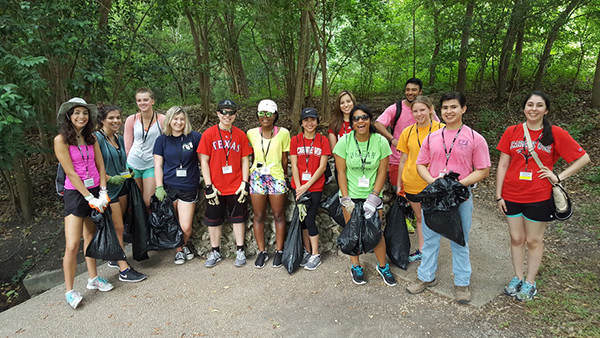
(419, 286)
(189, 255)
(410, 225)
(462, 294)
(179, 258)
(305, 257)
(240, 258)
(278, 259)
(99, 283)
(358, 277)
(73, 298)
(131, 276)
(261, 259)
(416, 256)
(212, 259)
(387, 275)
(313, 262)
(513, 287)
(113, 264)
(527, 292)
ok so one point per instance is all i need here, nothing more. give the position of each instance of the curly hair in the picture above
(68, 131)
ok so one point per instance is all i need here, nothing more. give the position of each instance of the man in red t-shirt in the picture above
(224, 151)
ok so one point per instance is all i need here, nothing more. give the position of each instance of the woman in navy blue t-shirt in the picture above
(177, 173)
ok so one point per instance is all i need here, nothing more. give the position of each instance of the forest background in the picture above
(300, 53)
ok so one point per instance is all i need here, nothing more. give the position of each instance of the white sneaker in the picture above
(189, 255)
(73, 298)
(179, 258)
(99, 283)
(240, 258)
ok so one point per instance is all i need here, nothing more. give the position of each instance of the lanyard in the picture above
(228, 146)
(418, 139)
(87, 170)
(526, 149)
(145, 136)
(448, 152)
(363, 160)
(119, 150)
(268, 146)
(181, 152)
(307, 154)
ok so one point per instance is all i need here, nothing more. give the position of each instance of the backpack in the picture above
(59, 182)
(397, 117)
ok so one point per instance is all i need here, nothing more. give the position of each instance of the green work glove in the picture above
(116, 180)
(160, 193)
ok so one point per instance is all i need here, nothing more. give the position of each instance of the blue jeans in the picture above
(461, 264)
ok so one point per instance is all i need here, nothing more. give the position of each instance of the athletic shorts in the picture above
(412, 198)
(266, 184)
(536, 212)
(393, 174)
(228, 206)
(124, 192)
(75, 203)
(144, 173)
(187, 196)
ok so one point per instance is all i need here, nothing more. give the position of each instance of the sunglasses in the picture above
(362, 117)
(228, 112)
(264, 114)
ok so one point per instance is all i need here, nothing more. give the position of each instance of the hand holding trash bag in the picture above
(360, 234)
(105, 243)
(371, 204)
(165, 232)
(347, 203)
(293, 248)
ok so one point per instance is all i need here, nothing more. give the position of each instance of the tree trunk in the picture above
(507, 48)
(461, 81)
(552, 35)
(515, 74)
(436, 48)
(24, 190)
(596, 86)
(322, 42)
(265, 63)
(303, 51)
(199, 28)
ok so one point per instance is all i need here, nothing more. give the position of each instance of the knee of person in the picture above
(71, 249)
(279, 217)
(259, 217)
(517, 240)
(534, 243)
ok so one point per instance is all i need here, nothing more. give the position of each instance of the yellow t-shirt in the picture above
(410, 143)
(276, 146)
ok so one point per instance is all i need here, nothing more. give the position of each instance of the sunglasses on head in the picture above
(228, 112)
(264, 114)
(361, 117)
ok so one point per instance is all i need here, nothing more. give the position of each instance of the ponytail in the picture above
(547, 138)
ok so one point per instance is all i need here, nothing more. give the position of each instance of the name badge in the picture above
(227, 169)
(363, 182)
(181, 172)
(265, 171)
(125, 174)
(306, 176)
(442, 173)
(526, 175)
(89, 182)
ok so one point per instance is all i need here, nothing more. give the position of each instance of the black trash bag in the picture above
(165, 232)
(135, 221)
(293, 248)
(105, 243)
(397, 242)
(360, 235)
(334, 208)
(440, 201)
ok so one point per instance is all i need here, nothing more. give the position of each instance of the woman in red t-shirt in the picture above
(340, 117)
(523, 189)
(309, 152)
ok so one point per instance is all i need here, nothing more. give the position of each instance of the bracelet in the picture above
(375, 192)
(498, 200)
(103, 188)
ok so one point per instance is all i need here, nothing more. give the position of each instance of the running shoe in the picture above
(73, 298)
(278, 259)
(113, 264)
(358, 276)
(387, 275)
(240, 258)
(213, 258)
(313, 262)
(131, 276)
(99, 283)
(189, 255)
(261, 259)
(527, 292)
(179, 258)
(513, 287)
(305, 257)
(416, 256)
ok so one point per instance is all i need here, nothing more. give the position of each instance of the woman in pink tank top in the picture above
(77, 150)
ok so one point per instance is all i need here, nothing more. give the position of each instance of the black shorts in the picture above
(188, 196)
(124, 192)
(413, 198)
(75, 203)
(537, 212)
(214, 215)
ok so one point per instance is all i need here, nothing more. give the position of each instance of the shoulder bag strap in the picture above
(532, 150)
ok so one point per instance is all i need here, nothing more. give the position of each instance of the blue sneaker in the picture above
(358, 276)
(513, 287)
(73, 298)
(416, 256)
(527, 292)
(387, 275)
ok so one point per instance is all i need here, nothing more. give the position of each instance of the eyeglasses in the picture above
(264, 114)
(228, 112)
(362, 117)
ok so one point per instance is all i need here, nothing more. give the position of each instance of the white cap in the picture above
(267, 105)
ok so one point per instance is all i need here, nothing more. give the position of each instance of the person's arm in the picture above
(128, 133)
(284, 162)
(61, 150)
(340, 164)
(571, 170)
(295, 172)
(476, 176)
(503, 163)
(158, 170)
(332, 140)
(100, 164)
(403, 158)
(382, 129)
(204, 166)
(425, 174)
(381, 174)
(245, 169)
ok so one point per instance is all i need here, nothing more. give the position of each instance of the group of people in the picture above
(165, 157)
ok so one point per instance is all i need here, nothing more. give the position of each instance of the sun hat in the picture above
(308, 112)
(227, 104)
(76, 102)
(267, 105)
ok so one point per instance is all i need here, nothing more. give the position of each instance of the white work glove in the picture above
(347, 203)
(212, 194)
(242, 192)
(103, 197)
(95, 203)
(371, 204)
